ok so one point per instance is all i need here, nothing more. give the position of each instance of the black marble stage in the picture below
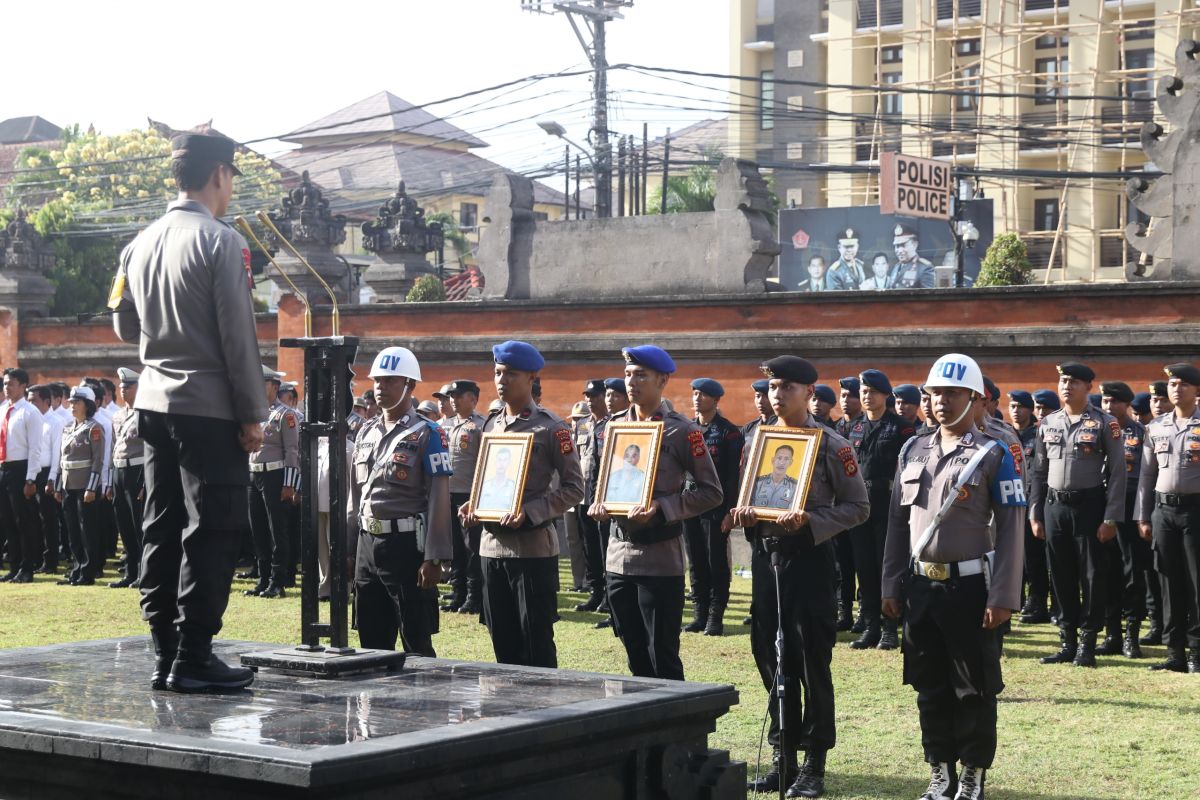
(79, 720)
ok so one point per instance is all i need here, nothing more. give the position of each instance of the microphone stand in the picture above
(780, 690)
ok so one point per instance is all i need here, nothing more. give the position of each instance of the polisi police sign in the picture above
(914, 187)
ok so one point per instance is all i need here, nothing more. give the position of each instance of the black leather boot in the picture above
(592, 603)
(1176, 662)
(1068, 644)
(1193, 660)
(716, 620)
(699, 619)
(1130, 647)
(860, 623)
(844, 621)
(783, 770)
(166, 646)
(1085, 654)
(1111, 646)
(889, 638)
(870, 637)
(196, 669)
(810, 782)
(1154, 635)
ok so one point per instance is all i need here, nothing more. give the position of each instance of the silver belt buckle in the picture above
(936, 572)
(375, 527)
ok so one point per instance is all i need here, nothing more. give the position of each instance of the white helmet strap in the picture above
(403, 397)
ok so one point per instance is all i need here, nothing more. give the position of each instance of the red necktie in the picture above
(4, 434)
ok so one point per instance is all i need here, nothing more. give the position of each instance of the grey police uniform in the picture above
(128, 460)
(1077, 482)
(594, 541)
(354, 424)
(466, 575)
(1169, 498)
(645, 561)
(186, 302)
(951, 660)
(843, 276)
(274, 466)
(399, 490)
(80, 467)
(1037, 570)
(1128, 554)
(520, 565)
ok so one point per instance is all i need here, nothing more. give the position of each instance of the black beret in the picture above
(825, 393)
(1184, 372)
(1095, 399)
(206, 147)
(617, 385)
(850, 383)
(1141, 403)
(709, 387)
(992, 390)
(459, 387)
(907, 393)
(790, 368)
(876, 380)
(1047, 398)
(1074, 369)
(761, 387)
(594, 386)
(1158, 389)
(1021, 397)
(1117, 390)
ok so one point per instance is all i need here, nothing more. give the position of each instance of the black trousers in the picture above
(647, 613)
(1128, 555)
(867, 542)
(195, 516)
(129, 509)
(83, 531)
(472, 573)
(954, 664)
(269, 524)
(809, 634)
(18, 518)
(1177, 556)
(846, 586)
(1037, 568)
(49, 515)
(519, 606)
(106, 517)
(708, 555)
(1078, 563)
(387, 600)
(460, 563)
(595, 547)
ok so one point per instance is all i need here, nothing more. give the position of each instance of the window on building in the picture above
(1140, 84)
(1051, 41)
(968, 81)
(1045, 214)
(1139, 30)
(966, 47)
(892, 54)
(766, 111)
(893, 102)
(468, 215)
(540, 216)
(1050, 79)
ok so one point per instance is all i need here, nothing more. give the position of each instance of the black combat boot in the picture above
(1068, 644)
(699, 619)
(716, 620)
(1085, 654)
(870, 637)
(1111, 646)
(860, 623)
(844, 621)
(810, 782)
(783, 771)
(166, 646)
(1154, 635)
(889, 639)
(592, 603)
(1175, 662)
(943, 782)
(1193, 660)
(1130, 647)
(970, 782)
(196, 669)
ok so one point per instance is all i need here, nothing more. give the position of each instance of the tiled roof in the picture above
(382, 113)
(26, 130)
(457, 286)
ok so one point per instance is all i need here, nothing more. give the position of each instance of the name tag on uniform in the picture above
(1052, 436)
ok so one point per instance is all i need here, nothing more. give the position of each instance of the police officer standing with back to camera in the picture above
(128, 488)
(1076, 498)
(956, 585)
(519, 554)
(645, 562)
(1168, 510)
(708, 545)
(465, 431)
(801, 541)
(274, 480)
(1037, 572)
(400, 489)
(184, 295)
(584, 433)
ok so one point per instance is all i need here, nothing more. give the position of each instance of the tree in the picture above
(426, 289)
(452, 234)
(1006, 263)
(95, 193)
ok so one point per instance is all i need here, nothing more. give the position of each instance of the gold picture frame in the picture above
(621, 484)
(774, 488)
(500, 472)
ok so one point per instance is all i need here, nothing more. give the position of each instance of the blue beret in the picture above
(617, 385)
(709, 387)
(1047, 398)
(1095, 399)
(1022, 398)
(762, 387)
(1141, 403)
(518, 355)
(908, 393)
(825, 393)
(650, 357)
(850, 384)
(876, 380)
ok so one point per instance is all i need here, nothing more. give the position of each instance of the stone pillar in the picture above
(303, 217)
(24, 257)
(10, 337)
(400, 238)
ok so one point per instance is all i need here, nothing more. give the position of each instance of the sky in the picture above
(259, 69)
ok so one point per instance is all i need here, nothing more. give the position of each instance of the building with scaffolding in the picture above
(1038, 103)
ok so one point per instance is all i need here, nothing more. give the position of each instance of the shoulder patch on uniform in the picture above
(1114, 429)
(696, 439)
(846, 454)
(564, 441)
(291, 419)
(97, 434)
(443, 437)
(1018, 454)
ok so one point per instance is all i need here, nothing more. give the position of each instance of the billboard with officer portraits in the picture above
(860, 249)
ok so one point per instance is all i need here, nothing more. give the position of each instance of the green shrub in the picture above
(1006, 263)
(427, 289)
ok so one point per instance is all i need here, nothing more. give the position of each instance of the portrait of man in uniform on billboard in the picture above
(816, 276)
(847, 272)
(911, 271)
(879, 273)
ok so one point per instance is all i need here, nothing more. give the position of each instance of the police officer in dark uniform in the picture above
(274, 479)
(850, 405)
(584, 434)
(877, 439)
(519, 554)
(1045, 402)
(762, 403)
(907, 403)
(1076, 498)
(801, 543)
(1168, 511)
(1037, 571)
(852, 417)
(400, 490)
(1140, 408)
(465, 431)
(707, 544)
(128, 487)
(183, 293)
(930, 422)
(822, 402)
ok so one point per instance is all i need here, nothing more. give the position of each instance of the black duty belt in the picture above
(1070, 497)
(663, 533)
(1177, 500)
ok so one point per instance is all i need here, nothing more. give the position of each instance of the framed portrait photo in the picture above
(628, 465)
(779, 470)
(500, 474)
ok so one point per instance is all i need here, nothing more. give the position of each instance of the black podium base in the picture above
(324, 663)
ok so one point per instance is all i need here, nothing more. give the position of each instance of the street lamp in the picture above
(554, 129)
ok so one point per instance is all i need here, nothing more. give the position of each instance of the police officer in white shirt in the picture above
(21, 454)
(52, 427)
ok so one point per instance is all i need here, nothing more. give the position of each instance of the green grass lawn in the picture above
(1112, 733)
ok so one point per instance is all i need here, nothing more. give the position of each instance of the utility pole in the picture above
(593, 14)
